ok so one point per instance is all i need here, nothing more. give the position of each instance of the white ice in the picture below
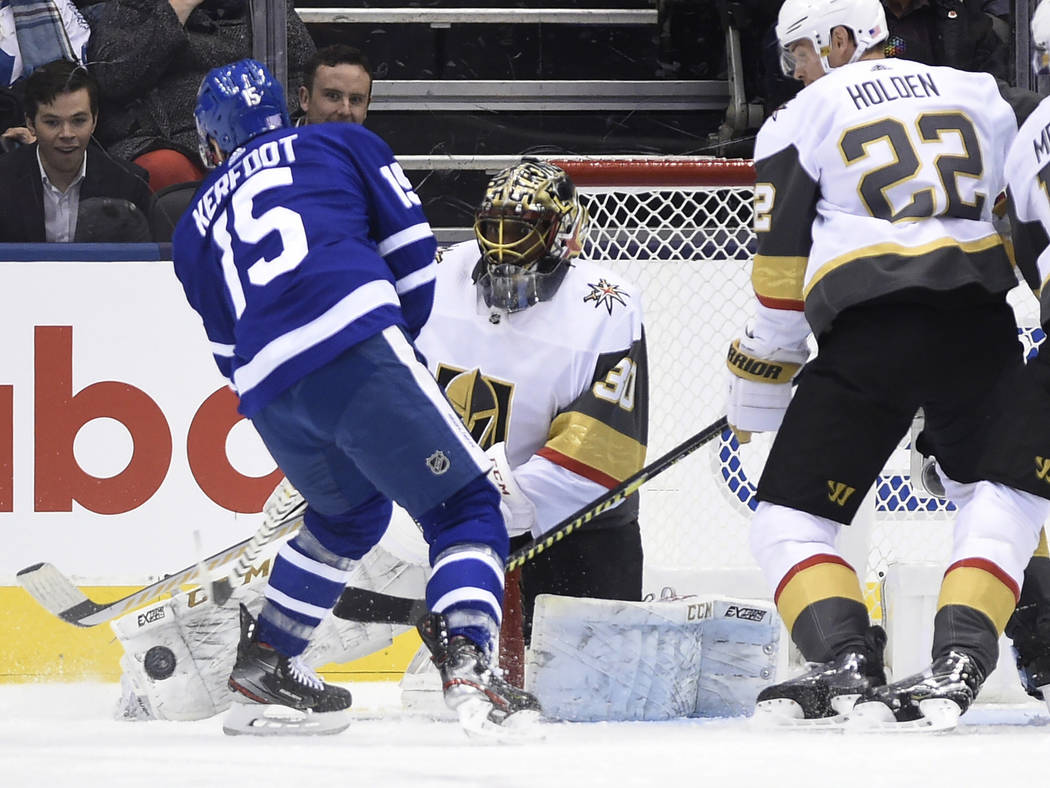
(64, 735)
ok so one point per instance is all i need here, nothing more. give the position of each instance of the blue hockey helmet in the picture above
(235, 103)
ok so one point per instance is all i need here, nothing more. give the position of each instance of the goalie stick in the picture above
(358, 604)
(284, 504)
(56, 592)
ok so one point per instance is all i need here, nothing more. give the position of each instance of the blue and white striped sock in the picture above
(305, 584)
(466, 585)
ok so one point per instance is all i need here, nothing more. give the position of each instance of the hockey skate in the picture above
(824, 695)
(487, 706)
(279, 695)
(929, 701)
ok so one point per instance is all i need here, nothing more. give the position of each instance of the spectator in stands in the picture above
(32, 33)
(337, 86)
(46, 181)
(150, 56)
(956, 33)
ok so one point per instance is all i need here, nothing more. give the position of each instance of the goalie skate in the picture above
(488, 707)
(929, 701)
(279, 695)
(823, 696)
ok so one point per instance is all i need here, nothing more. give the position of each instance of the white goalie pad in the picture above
(178, 653)
(702, 656)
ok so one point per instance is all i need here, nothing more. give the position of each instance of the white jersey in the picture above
(564, 383)
(1028, 173)
(876, 178)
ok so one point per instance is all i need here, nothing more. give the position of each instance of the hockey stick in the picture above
(284, 504)
(56, 592)
(374, 607)
(387, 609)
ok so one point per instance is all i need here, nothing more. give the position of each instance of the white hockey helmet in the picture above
(1041, 38)
(815, 19)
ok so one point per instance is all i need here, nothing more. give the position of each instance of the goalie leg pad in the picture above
(596, 659)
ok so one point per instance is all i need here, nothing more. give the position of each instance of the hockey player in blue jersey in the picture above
(311, 264)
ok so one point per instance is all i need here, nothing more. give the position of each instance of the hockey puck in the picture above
(159, 662)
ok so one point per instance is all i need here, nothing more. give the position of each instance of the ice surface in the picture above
(64, 735)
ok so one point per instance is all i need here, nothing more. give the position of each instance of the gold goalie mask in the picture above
(529, 225)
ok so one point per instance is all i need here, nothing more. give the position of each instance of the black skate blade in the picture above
(938, 714)
(786, 713)
(258, 719)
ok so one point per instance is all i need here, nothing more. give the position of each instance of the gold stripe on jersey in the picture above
(778, 280)
(585, 441)
(813, 580)
(889, 248)
(1041, 549)
(977, 584)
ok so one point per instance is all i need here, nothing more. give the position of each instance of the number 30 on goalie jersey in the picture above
(895, 166)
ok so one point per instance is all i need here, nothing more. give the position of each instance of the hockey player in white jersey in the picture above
(543, 356)
(873, 210)
(1022, 431)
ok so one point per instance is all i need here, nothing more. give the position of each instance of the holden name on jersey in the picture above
(880, 91)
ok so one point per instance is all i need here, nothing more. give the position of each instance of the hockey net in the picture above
(680, 228)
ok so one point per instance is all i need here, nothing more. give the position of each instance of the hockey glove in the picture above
(760, 385)
(519, 513)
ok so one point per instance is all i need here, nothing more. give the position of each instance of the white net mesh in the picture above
(689, 248)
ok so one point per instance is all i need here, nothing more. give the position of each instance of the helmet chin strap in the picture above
(858, 52)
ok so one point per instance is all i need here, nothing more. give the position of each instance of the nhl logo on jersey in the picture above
(438, 462)
(605, 293)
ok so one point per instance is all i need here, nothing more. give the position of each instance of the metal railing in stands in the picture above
(443, 17)
(464, 95)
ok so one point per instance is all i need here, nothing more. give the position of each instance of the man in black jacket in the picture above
(46, 182)
(150, 56)
(956, 33)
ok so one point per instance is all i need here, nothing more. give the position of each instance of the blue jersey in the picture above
(305, 242)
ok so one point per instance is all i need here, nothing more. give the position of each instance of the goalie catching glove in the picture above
(760, 384)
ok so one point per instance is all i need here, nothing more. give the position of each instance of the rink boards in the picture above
(118, 439)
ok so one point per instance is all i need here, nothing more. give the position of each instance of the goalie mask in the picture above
(1041, 38)
(813, 21)
(236, 103)
(529, 225)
